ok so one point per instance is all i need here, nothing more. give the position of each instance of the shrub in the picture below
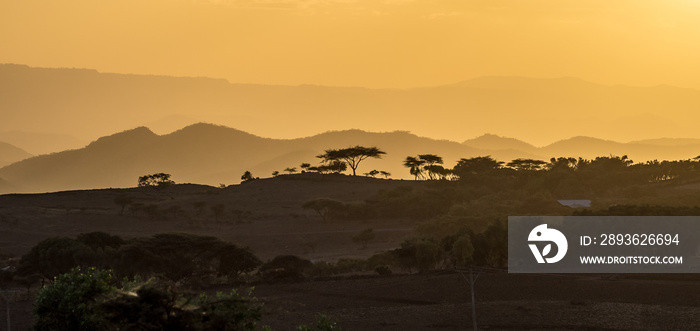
(69, 302)
(285, 267)
(382, 269)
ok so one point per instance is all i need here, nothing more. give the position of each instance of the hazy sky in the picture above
(371, 43)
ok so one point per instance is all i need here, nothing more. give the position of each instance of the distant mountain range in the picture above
(10, 154)
(41, 143)
(211, 154)
(88, 104)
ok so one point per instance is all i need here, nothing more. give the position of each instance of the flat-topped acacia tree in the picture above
(352, 156)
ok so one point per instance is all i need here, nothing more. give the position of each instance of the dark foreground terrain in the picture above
(441, 301)
(267, 215)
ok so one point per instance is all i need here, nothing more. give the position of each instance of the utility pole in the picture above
(8, 295)
(472, 281)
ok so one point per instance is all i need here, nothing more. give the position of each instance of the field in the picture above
(267, 215)
(441, 301)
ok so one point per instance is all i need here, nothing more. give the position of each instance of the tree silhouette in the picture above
(334, 167)
(290, 170)
(323, 206)
(352, 156)
(123, 201)
(430, 165)
(372, 173)
(436, 171)
(54, 256)
(477, 165)
(562, 164)
(527, 164)
(158, 180)
(415, 166)
(385, 174)
(235, 261)
(364, 237)
(247, 176)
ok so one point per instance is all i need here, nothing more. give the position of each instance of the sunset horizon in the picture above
(374, 44)
(358, 164)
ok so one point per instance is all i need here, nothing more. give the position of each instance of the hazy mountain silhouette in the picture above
(495, 142)
(668, 142)
(528, 83)
(211, 154)
(588, 147)
(170, 123)
(205, 153)
(41, 143)
(92, 104)
(11, 154)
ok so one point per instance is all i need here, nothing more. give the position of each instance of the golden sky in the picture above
(370, 43)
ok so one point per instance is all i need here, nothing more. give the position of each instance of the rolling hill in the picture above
(213, 155)
(498, 143)
(207, 154)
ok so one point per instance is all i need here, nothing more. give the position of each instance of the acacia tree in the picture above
(414, 165)
(323, 206)
(477, 166)
(372, 173)
(352, 156)
(432, 165)
(527, 164)
(159, 180)
(429, 164)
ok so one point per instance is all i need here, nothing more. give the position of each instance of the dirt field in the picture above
(441, 301)
(267, 216)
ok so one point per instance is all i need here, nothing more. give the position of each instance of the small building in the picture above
(575, 203)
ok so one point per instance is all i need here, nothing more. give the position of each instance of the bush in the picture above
(55, 256)
(285, 267)
(87, 300)
(323, 323)
(160, 307)
(382, 269)
(69, 302)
